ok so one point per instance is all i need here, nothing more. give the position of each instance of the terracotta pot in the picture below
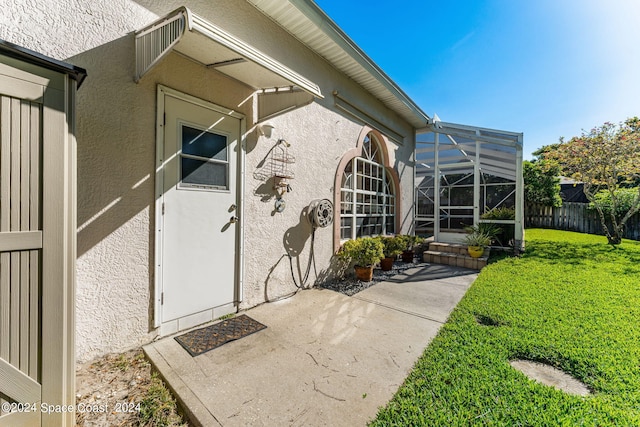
(386, 264)
(407, 256)
(475, 251)
(364, 273)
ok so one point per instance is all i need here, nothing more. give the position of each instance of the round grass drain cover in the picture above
(548, 375)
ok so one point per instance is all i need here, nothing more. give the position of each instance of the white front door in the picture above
(199, 211)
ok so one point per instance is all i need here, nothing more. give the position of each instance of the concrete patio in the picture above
(324, 359)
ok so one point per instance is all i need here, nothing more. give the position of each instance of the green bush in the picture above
(501, 233)
(393, 245)
(541, 182)
(363, 251)
(625, 201)
(502, 212)
(409, 241)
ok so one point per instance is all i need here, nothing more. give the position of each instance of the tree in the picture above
(605, 159)
(541, 182)
(624, 196)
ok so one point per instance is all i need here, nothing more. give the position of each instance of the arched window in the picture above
(367, 196)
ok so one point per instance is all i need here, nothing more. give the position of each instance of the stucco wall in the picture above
(116, 154)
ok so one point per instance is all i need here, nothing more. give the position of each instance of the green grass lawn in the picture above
(570, 301)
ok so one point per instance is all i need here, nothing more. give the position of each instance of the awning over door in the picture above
(200, 40)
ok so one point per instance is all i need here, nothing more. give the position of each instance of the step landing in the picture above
(454, 254)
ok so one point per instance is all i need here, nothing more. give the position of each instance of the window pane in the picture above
(347, 180)
(373, 194)
(346, 227)
(204, 144)
(369, 226)
(391, 229)
(199, 172)
(348, 170)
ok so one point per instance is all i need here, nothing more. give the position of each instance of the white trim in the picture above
(315, 29)
(157, 276)
(162, 92)
(240, 187)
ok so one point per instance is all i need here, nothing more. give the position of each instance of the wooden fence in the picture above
(574, 217)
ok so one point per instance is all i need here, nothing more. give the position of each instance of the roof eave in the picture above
(76, 73)
(404, 105)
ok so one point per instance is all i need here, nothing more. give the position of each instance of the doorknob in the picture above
(233, 219)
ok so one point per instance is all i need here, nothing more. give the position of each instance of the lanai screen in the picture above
(467, 176)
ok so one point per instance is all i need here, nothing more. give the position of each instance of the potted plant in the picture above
(364, 252)
(410, 242)
(393, 246)
(476, 241)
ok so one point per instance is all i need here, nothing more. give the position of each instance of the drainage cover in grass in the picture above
(548, 375)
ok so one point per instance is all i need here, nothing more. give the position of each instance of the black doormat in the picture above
(205, 339)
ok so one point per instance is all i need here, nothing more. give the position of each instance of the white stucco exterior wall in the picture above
(116, 154)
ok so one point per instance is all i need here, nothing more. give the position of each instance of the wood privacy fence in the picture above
(574, 217)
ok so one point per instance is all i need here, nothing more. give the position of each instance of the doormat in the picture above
(205, 339)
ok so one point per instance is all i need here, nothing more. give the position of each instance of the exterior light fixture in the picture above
(265, 129)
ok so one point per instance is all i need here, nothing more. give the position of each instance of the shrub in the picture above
(625, 201)
(363, 251)
(502, 212)
(501, 233)
(393, 245)
(409, 241)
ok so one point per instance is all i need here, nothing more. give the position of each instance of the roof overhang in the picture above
(76, 73)
(195, 37)
(308, 23)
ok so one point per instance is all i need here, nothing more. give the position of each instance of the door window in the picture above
(204, 159)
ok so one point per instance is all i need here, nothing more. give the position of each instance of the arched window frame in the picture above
(390, 176)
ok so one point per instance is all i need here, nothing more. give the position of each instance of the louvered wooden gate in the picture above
(37, 241)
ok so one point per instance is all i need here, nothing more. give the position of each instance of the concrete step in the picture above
(455, 248)
(456, 259)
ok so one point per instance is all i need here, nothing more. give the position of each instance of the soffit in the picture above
(308, 23)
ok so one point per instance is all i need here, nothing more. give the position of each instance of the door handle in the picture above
(234, 219)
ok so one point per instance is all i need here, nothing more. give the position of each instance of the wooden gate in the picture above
(37, 240)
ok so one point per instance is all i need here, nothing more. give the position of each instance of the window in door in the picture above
(204, 160)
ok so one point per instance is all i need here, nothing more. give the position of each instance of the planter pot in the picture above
(364, 273)
(475, 251)
(386, 264)
(407, 256)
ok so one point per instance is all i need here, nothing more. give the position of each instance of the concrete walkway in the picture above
(325, 359)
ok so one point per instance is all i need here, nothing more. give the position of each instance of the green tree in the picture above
(541, 182)
(605, 159)
(624, 196)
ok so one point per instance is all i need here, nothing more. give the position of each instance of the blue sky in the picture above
(547, 68)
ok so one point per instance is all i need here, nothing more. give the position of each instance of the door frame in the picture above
(162, 93)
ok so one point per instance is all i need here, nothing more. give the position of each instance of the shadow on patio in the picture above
(324, 358)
